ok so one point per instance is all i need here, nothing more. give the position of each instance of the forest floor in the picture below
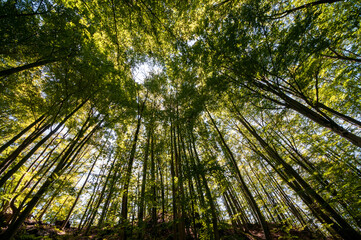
(161, 231)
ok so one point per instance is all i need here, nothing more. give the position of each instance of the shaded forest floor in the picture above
(160, 231)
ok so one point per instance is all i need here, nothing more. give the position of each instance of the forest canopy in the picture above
(202, 119)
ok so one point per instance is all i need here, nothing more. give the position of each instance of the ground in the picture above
(32, 230)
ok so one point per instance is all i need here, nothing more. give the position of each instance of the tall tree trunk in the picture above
(83, 220)
(46, 157)
(116, 175)
(28, 140)
(124, 210)
(20, 134)
(309, 113)
(246, 191)
(208, 192)
(144, 182)
(153, 183)
(162, 189)
(101, 196)
(80, 191)
(340, 115)
(179, 175)
(174, 188)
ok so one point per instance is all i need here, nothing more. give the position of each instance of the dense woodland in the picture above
(247, 115)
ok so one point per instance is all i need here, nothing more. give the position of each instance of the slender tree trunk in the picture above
(20, 134)
(191, 190)
(144, 182)
(174, 188)
(195, 161)
(250, 180)
(117, 172)
(48, 203)
(124, 210)
(80, 192)
(280, 216)
(83, 220)
(307, 5)
(244, 187)
(55, 218)
(230, 213)
(30, 139)
(340, 115)
(162, 189)
(153, 183)
(101, 196)
(179, 174)
(234, 212)
(70, 156)
(28, 66)
(47, 164)
(208, 192)
(314, 116)
(240, 208)
(296, 156)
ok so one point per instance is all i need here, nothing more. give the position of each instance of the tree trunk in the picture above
(307, 5)
(28, 66)
(243, 185)
(28, 140)
(79, 193)
(101, 196)
(208, 191)
(124, 210)
(314, 116)
(20, 134)
(153, 183)
(174, 188)
(179, 175)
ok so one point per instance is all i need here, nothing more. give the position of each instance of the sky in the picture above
(143, 70)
